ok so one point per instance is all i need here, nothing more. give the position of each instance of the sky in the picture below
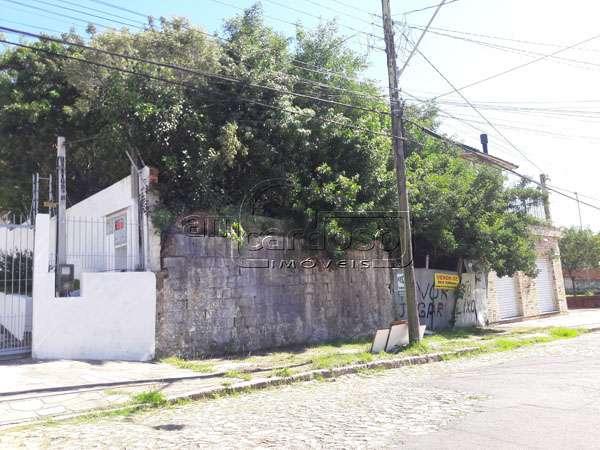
(544, 116)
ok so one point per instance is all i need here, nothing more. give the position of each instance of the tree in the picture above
(464, 211)
(579, 250)
(214, 140)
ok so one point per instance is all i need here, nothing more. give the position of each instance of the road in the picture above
(546, 396)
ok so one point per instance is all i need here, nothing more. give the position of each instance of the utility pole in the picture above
(61, 211)
(543, 180)
(579, 211)
(35, 196)
(406, 257)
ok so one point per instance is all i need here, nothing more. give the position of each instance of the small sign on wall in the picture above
(446, 281)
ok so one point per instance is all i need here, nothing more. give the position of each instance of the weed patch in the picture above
(149, 398)
(329, 361)
(237, 374)
(190, 365)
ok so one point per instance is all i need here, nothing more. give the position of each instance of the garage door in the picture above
(506, 297)
(545, 286)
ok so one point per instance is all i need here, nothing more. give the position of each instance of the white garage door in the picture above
(545, 286)
(506, 296)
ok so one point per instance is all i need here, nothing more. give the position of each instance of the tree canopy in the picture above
(579, 250)
(229, 122)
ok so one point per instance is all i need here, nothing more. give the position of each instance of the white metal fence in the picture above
(16, 280)
(100, 244)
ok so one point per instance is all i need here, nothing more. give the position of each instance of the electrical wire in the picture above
(511, 49)
(406, 13)
(79, 11)
(458, 91)
(518, 66)
(193, 87)
(205, 74)
(314, 16)
(77, 19)
(299, 64)
(337, 11)
(416, 46)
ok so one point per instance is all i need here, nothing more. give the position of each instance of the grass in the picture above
(149, 398)
(284, 372)
(237, 374)
(482, 341)
(190, 365)
(329, 361)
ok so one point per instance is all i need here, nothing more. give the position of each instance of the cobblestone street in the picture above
(471, 402)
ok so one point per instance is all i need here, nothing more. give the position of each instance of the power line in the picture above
(337, 11)
(405, 13)
(32, 26)
(416, 46)
(455, 89)
(502, 38)
(102, 11)
(512, 171)
(519, 66)
(79, 11)
(509, 49)
(193, 87)
(77, 19)
(120, 8)
(205, 74)
(299, 64)
(295, 62)
(347, 5)
(299, 11)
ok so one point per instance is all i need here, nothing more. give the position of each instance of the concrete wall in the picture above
(437, 307)
(209, 303)
(546, 247)
(114, 318)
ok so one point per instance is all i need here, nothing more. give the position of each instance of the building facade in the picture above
(520, 296)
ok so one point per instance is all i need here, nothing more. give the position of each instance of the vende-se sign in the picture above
(446, 281)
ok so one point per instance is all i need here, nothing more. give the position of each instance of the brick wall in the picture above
(208, 304)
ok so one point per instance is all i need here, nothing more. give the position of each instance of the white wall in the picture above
(113, 319)
(90, 248)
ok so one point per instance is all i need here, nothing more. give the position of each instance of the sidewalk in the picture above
(35, 390)
(575, 318)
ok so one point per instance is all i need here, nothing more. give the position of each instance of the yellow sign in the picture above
(446, 281)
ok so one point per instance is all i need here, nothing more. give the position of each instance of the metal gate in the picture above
(16, 281)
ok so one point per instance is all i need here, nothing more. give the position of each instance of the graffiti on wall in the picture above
(435, 306)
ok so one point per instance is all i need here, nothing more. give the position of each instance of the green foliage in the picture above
(214, 142)
(579, 250)
(162, 218)
(464, 211)
(151, 398)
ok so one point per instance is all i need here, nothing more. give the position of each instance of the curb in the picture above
(264, 384)
(319, 373)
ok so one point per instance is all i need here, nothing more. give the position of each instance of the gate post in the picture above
(43, 280)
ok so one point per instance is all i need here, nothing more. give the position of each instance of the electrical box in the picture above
(66, 278)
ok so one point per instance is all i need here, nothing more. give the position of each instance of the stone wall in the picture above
(213, 300)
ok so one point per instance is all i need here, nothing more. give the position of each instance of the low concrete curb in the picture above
(320, 373)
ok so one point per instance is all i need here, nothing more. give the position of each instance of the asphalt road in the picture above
(546, 396)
